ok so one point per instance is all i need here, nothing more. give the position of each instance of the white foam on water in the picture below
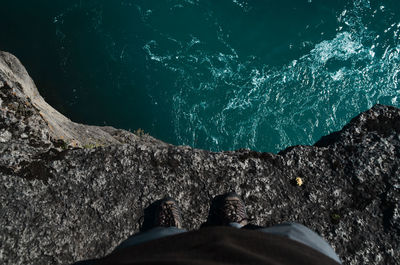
(337, 76)
(244, 5)
(244, 106)
(342, 47)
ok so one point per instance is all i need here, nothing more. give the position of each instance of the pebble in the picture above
(5, 136)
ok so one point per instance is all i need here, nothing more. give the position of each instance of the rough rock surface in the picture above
(70, 191)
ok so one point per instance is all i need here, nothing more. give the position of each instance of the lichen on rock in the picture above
(5, 136)
(62, 203)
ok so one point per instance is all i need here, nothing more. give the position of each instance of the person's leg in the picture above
(162, 218)
(152, 234)
(302, 234)
(86, 262)
(235, 225)
(227, 210)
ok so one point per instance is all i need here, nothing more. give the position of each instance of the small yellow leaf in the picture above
(299, 181)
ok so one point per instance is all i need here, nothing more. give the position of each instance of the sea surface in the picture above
(212, 74)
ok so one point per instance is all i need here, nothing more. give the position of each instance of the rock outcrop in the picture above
(71, 191)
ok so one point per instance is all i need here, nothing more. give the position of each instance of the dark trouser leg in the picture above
(303, 235)
(154, 233)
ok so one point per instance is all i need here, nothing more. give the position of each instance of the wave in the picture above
(236, 103)
(242, 74)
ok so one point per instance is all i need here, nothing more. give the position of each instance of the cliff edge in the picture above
(71, 191)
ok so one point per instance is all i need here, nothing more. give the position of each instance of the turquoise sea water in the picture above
(218, 75)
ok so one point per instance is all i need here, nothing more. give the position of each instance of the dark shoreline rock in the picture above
(62, 202)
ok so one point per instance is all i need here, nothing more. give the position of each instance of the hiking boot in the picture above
(168, 214)
(225, 209)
